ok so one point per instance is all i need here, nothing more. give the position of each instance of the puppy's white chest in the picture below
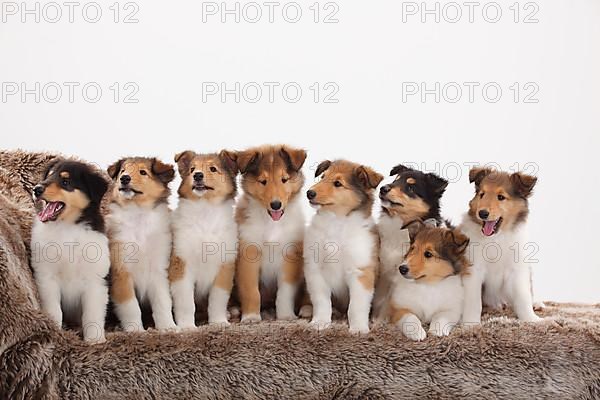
(426, 300)
(340, 246)
(68, 252)
(140, 227)
(145, 239)
(205, 237)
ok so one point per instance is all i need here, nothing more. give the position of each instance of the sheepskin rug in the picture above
(558, 358)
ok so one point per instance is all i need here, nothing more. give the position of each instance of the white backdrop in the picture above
(368, 68)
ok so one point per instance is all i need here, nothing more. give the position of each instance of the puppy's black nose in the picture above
(198, 176)
(484, 214)
(311, 194)
(403, 269)
(38, 190)
(125, 179)
(385, 189)
(275, 205)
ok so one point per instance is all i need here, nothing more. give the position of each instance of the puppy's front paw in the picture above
(359, 329)
(95, 340)
(471, 320)
(415, 333)
(531, 318)
(223, 323)
(168, 328)
(250, 318)
(320, 325)
(287, 317)
(439, 330)
(133, 327)
(187, 327)
(306, 311)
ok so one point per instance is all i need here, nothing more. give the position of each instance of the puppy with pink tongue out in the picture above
(69, 247)
(271, 230)
(495, 222)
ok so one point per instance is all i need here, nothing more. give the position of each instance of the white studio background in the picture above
(375, 56)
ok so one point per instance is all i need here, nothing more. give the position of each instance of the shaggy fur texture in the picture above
(558, 358)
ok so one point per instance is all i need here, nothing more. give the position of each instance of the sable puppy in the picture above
(430, 289)
(412, 196)
(271, 229)
(342, 259)
(205, 236)
(140, 237)
(70, 256)
(496, 218)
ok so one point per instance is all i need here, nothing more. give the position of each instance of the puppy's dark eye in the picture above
(337, 184)
(213, 169)
(411, 188)
(284, 180)
(65, 182)
(142, 172)
(263, 182)
(192, 169)
(428, 254)
(501, 197)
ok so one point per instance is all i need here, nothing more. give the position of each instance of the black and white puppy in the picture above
(412, 196)
(70, 255)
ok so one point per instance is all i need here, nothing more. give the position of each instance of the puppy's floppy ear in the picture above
(96, 185)
(368, 177)
(164, 172)
(414, 228)
(51, 166)
(183, 160)
(477, 174)
(457, 241)
(248, 161)
(322, 167)
(523, 184)
(398, 169)
(229, 160)
(114, 169)
(437, 183)
(294, 158)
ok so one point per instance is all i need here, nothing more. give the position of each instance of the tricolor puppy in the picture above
(205, 236)
(271, 230)
(431, 288)
(412, 196)
(496, 220)
(140, 235)
(70, 256)
(341, 255)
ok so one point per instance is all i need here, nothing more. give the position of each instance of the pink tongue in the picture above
(276, 215)
(48, 211)
(488, 228)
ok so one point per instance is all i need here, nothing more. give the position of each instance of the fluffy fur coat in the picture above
(558, 358)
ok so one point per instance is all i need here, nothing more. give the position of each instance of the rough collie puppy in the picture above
(431, 288)
(140, 236)
(271, 230)
(70, 255)
(205, 236)
(413, 195)
(495, 223)
(341, 253)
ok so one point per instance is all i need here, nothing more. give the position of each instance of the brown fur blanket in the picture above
(558, 358)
